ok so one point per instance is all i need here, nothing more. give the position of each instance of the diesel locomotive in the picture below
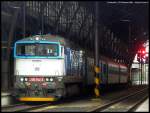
(49, 67)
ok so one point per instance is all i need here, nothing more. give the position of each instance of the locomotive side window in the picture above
(62, 51)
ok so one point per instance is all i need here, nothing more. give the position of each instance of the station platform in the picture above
(144, 107)
(5, 98)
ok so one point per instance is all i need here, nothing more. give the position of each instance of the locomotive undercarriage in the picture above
(39, 89)
(34, 91)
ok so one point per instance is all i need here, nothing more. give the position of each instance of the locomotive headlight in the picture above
(37, 38)
(47, 79)
(51, 79)
(25, 79)
(21, 79)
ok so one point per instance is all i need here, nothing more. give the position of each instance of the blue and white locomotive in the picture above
(48, 67)
(41, 66)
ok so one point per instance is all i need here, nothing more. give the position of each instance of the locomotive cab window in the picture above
(50, 50)
(38, 49)
(25, 49)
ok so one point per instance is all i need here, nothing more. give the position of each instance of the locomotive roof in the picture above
(51, 38)
(48, 37)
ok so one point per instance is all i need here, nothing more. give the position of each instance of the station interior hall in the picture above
(88, 51)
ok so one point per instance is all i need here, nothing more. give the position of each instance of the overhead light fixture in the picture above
(125, 20)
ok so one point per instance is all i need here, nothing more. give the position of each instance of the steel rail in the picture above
(134, 107)
(33, 107)
(24, 106)
(45, 105)
(105, 106)
(27, 107)
(12, 105)
(99, 108)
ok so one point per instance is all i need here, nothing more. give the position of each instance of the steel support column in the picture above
(148, 72)
(10, 38)
(97, 69)
(141, 72)
(144, 73)
(24, 19)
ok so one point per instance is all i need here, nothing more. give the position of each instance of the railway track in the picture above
(22, 107)
(122, 104)
(65, 105)
(133, 108)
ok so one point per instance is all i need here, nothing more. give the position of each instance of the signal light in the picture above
(143, 51)
(141, 54)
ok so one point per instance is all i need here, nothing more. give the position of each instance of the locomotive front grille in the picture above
(36, 88)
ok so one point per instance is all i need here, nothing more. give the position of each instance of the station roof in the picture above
(123, 26)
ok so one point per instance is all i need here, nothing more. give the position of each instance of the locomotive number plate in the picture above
(38, 79)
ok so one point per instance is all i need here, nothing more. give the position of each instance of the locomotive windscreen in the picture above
(37, 49)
